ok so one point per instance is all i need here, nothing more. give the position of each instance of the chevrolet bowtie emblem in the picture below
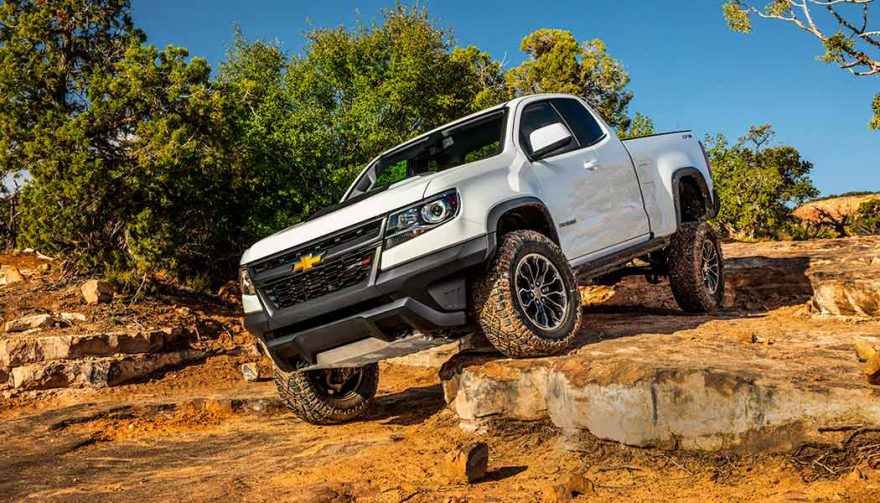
(306, 262)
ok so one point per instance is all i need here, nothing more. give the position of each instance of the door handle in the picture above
(591, 165)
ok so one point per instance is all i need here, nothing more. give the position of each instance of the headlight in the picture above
(414, 221)
(247, 286)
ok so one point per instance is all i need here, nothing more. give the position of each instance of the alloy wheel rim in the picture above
(710, 266)
(541, 291)
(339, 383)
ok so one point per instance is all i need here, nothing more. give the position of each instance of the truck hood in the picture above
(403, 194)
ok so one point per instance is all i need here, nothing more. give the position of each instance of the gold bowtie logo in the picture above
(306, 262)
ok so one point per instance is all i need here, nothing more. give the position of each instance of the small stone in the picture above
(96, 291)
(44, 267)
(556, 493)
(250, 371)
(578, 484)
(863, 350)
(229, 291)
(467, 463)
(29, 323)
(570, 486)
(13, 275)
(72, 316)
(872, 369)
(875, 262)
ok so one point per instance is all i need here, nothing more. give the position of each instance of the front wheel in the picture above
(696, 268)
(528, 303)
(328, 396)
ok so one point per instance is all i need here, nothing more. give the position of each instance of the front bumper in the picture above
(425, 294)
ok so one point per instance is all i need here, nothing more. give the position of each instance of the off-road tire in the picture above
(685, 264)
(304, 398)
(494, 306)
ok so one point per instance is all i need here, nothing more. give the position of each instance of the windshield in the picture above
(474, 140)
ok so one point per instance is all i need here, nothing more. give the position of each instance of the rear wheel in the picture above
(328, 396)
(696, 268)
(528, 303)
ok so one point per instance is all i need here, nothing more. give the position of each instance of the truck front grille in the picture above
(331, 245)
(336, 273)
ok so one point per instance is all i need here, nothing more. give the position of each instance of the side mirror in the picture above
(548, 138)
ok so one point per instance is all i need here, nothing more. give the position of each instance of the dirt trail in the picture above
(200, 433)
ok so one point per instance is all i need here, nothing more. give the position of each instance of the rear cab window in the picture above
(585, 127)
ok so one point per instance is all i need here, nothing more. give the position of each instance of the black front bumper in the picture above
(426, 294)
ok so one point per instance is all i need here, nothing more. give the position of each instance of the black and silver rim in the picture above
(337, 383)
(541, 291)
(710, 266)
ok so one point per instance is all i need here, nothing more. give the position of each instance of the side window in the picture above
(586, 128)
(534, 117)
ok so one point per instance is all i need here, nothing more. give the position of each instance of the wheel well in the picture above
(527, 218)
(692, 205)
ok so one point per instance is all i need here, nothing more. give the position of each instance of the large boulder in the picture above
(679, 382)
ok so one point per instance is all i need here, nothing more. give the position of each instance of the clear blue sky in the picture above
(688, 70)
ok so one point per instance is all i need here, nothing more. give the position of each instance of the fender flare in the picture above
(497, 211)
(709, 199)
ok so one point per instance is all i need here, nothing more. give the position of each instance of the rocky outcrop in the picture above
(33, 361)
(96, 372)
(665, 381)
(26, 349)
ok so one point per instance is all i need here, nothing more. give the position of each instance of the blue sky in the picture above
(688, 70)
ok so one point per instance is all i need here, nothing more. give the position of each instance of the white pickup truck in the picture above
(487, 225)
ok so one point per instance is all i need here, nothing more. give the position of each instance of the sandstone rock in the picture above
(570, 486)
(250, 372)
(44, 267)
(13, 275)
(467, 463)
(872, 368)
(595, 294)
(26, 349)
(875, 262)
(72, 316)
(618, 389)
(229, 291)
(96, 291)
(30, 323)
(863, 350)
(556, 493)
(96, 372)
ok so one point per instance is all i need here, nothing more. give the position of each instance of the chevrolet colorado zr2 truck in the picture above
(485, 225)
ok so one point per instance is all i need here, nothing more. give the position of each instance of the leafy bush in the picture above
(758, 185)
(866, 220)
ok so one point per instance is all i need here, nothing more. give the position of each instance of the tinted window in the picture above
(534, 117)
(586, 128)
(472, 141)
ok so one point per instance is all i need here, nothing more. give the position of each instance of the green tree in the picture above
(299, 131)
(117, 136)
(846, 33)
(640, 125)
(759, 185)
(866, 220)
(559, 64)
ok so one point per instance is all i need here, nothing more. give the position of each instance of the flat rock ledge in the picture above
(707, 397)
(31, 361)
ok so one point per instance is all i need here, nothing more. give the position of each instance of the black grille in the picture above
(336, 273)
(328, 246)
